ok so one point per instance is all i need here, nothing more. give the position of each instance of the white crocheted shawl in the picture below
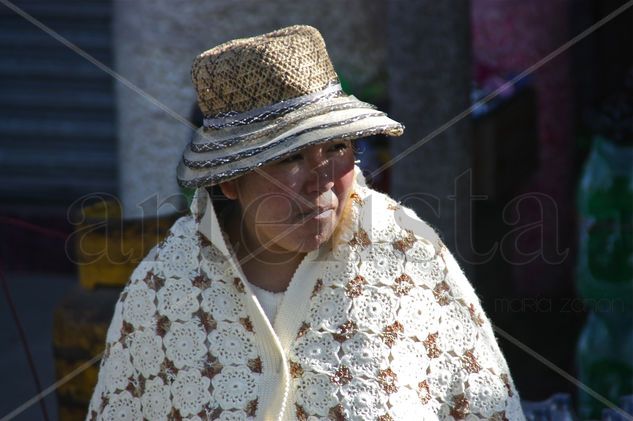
(380, 324)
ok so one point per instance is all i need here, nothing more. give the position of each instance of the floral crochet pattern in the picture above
(122, 407)
(146, 349)
(419, 313)
(117, 368)
(191, 391)
(139, 307)
(231, 344)
(222, 301)
(178, 257)
(486, 393)
(318, 350)
(365, 354)
(365, 399)
(155, 400)
(329, 309)
(381, 262)
(234, 387)
(375, 308)
(409, 362)
(414, 338)
(317, 394)
(184, 344)
(178, 299)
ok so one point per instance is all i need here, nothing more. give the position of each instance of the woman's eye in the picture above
(339, 147)
(291, 158)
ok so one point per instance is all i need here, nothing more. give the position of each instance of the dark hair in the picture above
(219, 200)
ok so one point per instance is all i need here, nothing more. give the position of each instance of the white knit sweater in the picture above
(380, 325)
(270, 301)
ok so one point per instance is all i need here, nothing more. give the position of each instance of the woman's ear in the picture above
(229, 189)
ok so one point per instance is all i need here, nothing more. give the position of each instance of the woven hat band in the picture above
(273, 111)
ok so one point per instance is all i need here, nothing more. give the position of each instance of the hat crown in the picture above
(251, 73)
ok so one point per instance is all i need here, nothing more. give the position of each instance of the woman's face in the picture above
(294, 204)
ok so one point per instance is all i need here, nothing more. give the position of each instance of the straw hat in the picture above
(266, 97)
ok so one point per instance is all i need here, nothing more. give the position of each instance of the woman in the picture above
(313, 297)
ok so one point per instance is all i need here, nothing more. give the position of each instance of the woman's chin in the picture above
(304, 238)
(313, 241)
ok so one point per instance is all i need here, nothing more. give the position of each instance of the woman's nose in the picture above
(320, 178)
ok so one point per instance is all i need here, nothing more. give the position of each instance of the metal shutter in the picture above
(57, 132)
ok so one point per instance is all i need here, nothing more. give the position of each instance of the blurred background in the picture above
(518, 148)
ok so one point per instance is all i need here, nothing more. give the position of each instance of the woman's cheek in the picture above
(344, 182)
(274, 210)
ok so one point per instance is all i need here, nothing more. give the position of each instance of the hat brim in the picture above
(219, 155)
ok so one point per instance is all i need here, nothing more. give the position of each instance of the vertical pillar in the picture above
(429, 84)
(509, 37)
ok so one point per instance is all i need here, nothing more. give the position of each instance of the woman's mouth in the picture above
(317, 213)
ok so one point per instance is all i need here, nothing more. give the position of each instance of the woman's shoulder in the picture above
(173, 252)
(385, 219)
(386, 225)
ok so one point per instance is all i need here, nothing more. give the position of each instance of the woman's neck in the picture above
(270, 270)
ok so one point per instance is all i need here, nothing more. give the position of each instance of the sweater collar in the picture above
(208, 224)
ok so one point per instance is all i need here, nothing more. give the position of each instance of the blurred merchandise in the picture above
(561, 408)
(604, 360)
(500, 86)
(614, 118)
(626, 404)
(605, 206)
(557, 408)
(605, 257)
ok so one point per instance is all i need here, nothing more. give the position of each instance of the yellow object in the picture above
(79, 332)
(108, 248)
